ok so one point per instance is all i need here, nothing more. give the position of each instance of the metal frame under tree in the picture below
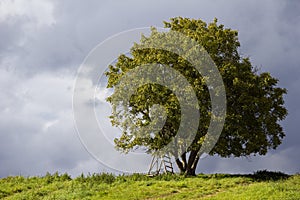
(160, 164)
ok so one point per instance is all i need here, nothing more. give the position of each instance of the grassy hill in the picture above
(260, 185)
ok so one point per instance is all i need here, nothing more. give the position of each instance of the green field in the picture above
(260, 185)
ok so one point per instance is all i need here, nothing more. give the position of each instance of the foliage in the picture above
(265, 175)
(254, 101)
(138, 186)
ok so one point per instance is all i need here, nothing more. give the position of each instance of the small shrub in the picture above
(264, 175)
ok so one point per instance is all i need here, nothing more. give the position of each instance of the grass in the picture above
(260, 185)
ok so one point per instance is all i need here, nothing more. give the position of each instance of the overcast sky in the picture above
(43, 43)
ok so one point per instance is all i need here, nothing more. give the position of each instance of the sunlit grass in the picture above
(262, 185)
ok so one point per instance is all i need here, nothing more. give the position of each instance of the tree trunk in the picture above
(188, 167)
(191, 172)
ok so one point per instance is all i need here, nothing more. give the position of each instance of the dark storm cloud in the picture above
(274, 46)
(36, 129)
(41, 49)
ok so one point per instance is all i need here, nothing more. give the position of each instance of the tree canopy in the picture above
(255, 103)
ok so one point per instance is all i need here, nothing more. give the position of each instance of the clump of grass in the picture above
(56, 177)
(97, 178)
(144, 177)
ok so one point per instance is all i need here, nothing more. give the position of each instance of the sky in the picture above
(43, 43)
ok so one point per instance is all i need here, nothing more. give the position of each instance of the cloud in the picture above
(38, 12)
(36, 125)
(285, 160)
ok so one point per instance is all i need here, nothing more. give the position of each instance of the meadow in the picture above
(259, 185)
